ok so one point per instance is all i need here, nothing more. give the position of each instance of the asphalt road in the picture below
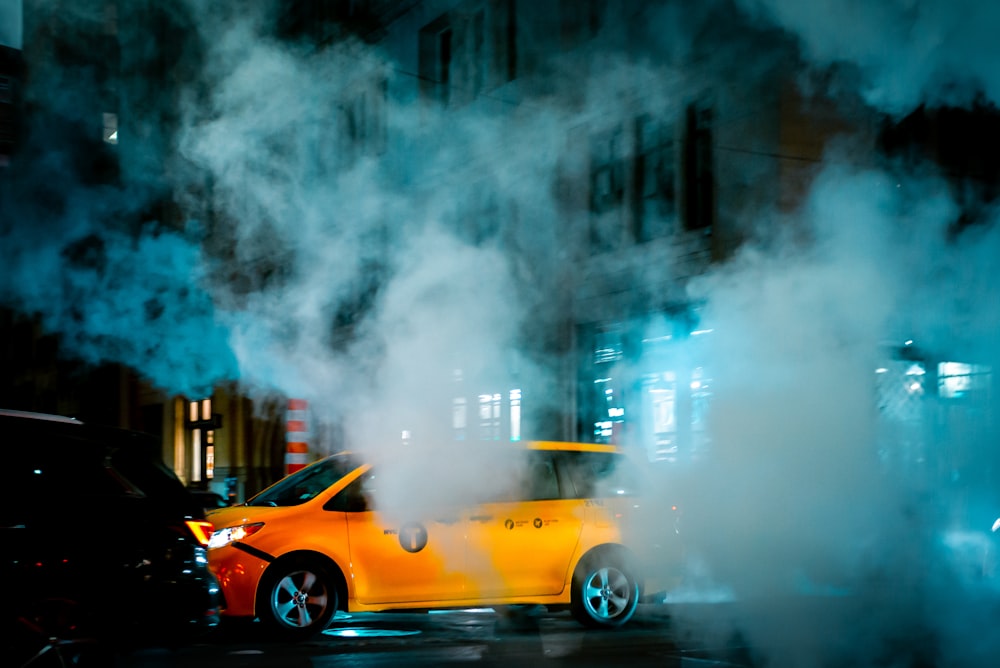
(778, 632)
(525, 638)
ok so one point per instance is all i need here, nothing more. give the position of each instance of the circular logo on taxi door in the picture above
(538, 522)
(412, 537)
(509, 524)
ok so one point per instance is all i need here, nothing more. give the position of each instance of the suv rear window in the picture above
(60, 465)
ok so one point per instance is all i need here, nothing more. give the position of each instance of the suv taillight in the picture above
(201, 530)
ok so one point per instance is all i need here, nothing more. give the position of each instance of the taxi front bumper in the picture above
(238, 568)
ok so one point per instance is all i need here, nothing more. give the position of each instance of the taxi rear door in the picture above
(522, 547)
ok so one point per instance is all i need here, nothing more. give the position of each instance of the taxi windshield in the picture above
(305, 484)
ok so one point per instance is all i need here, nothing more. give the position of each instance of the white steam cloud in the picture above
(906, 53)
(793, 496)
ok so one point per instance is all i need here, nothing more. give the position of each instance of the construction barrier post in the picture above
(296, 435)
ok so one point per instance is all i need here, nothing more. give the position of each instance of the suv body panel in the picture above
(87, 513)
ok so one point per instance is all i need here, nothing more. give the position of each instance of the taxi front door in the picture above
(396, 558)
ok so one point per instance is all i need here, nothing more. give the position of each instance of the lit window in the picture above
(459, 415)
(209, 455)
(515, 415)
(110, 128)
(196, 452)
(489, 417)
(608, 347)
(958, 379)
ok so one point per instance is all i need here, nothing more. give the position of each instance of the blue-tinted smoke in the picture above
(114, 297)
(340, 274)
(901, 53)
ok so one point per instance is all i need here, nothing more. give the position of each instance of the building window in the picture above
(959, 380)
(480, 63)
(607, 172)
(660, 391)
(504, 33)
(462, 55)
(110, 128)
(579, 20)
(515, 415)
(607, 394)
(661, 396)
(610, 401)
(201, 422)
(363, 118)
(655, 177)
(608, 347)
(702, 388)
(489, 417)
(633, 180)
(435, 44)
(699, 183)
(459, 419)
(7, 119)
(494, 423)
(607, 189)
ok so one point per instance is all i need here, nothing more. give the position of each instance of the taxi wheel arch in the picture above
(311, 574)
(605, 587)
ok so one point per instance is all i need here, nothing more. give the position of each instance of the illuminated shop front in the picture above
(935, 418)
(646, 387)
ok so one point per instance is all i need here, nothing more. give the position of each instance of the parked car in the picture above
(98, 538)
(543, 523)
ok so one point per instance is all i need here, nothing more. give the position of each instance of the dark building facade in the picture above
(667, 179)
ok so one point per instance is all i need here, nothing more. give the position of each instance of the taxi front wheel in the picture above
(297, 598)
(605, 593)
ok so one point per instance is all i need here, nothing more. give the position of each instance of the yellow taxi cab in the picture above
(543, 523)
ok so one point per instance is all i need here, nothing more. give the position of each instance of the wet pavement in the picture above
(786, 632)
(524, 637)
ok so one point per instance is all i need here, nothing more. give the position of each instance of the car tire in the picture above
(297, 598)
(605, 592)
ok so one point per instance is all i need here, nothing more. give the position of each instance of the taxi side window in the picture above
(356, 497)
(598, 475)
(532, 478)
(541, 480)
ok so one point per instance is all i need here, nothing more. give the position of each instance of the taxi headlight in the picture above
(223, 537)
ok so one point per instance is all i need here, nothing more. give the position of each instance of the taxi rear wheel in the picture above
(298, 597)
(605, 593)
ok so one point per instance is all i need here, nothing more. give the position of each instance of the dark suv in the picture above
(98, 538)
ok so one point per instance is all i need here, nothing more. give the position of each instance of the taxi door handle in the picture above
(481, 518)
